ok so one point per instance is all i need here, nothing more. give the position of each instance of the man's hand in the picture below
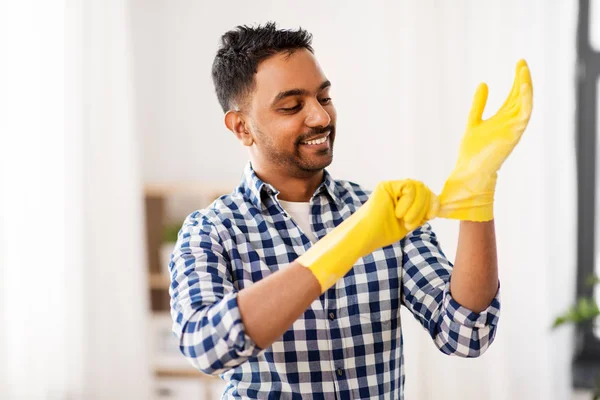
(468, 194)
(394, 209)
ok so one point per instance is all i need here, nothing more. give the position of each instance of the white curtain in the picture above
(73, 283)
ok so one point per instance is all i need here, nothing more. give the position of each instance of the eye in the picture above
(326, 100)
(292, 109)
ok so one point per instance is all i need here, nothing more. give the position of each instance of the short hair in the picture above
(240, 53)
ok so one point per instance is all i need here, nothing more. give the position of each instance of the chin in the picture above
(316, 166)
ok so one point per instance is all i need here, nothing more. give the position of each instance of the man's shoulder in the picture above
(222, 211)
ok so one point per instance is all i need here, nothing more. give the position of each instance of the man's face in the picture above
(291, 114)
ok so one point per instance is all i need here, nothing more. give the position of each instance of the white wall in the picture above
(181, 121)
(403, 76)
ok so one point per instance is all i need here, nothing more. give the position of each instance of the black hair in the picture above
(242, 50)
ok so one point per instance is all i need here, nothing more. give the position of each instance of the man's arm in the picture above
(204, 300)
(271, 306)
(426, 274)
(474, 281)
(220, 327)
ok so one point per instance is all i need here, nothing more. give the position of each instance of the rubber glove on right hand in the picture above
(468, 194)
(394, 209)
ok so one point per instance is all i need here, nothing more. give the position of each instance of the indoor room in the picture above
(175, 222)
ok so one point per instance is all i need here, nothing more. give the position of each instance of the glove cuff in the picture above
(468, 202)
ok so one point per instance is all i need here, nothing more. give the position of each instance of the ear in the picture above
(236, 123)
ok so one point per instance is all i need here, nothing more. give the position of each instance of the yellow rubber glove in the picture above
(394, 209)
(468, 194)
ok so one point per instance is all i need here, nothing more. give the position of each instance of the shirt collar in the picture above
(255, 188)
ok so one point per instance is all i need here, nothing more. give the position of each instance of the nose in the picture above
(317, 116)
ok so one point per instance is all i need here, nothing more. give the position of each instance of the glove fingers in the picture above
(420, 219)
(526, 96)
(514, 91)
(406, 198)
(520, 103)
(418, 209)
(520, 112)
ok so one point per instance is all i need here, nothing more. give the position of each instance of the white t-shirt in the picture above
(300, 213)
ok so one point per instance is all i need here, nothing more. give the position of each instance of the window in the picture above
(586, 368)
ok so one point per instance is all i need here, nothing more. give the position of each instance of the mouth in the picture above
(317, 141)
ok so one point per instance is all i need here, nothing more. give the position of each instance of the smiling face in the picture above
(290, 116)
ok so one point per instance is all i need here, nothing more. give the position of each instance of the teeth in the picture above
(317, 141)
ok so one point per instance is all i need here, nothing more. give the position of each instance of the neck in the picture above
(291, 188)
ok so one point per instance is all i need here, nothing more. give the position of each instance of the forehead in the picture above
(282, 72)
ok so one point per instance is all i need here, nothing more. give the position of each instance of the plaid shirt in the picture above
(348, 344)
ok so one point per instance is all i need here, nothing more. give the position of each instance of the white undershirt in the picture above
(300, 213)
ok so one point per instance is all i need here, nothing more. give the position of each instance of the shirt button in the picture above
(340, 372)
(331, 315)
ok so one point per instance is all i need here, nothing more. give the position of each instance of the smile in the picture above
(317, 141)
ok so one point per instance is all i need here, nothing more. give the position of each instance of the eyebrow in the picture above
(298, 92)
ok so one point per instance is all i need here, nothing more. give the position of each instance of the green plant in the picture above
(584, 310)
(170, 232)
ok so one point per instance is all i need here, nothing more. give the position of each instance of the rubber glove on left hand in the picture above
(468, 194)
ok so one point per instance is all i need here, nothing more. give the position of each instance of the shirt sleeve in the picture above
(455, 329)
(204, 307)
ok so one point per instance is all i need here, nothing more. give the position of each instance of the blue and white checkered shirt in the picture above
(348, 344)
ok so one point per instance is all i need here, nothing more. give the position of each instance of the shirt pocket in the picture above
(375, 294)
(367, 308)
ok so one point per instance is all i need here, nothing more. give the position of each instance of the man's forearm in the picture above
(474, 280)
(271, 306)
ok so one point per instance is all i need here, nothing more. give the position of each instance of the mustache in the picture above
(316, 131)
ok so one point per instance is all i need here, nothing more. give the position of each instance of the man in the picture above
(291, 286)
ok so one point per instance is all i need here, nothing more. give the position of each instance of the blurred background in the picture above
(111, 134)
